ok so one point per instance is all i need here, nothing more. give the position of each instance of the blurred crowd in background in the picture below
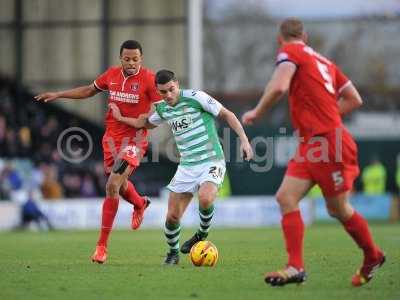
(29, 158)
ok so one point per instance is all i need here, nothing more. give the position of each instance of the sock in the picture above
(206, 215)
(357, 228)
(172, 232)
(293, 231)
(110, 207)
(131, 195)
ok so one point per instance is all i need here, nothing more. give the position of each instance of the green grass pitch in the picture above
(56, 266)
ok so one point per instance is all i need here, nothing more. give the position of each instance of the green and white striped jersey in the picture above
(192, 124)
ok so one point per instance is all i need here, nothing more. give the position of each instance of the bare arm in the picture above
(276, 87)
(349, 100)
(76, 93)
(141, 122)
(234, 123)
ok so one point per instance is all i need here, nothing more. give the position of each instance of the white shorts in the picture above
(188, 179)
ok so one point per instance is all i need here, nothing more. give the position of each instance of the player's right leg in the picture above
(109, 210)
(177, 204)
(130, 158)
(357, 227)
(336, 179)
(291, 191)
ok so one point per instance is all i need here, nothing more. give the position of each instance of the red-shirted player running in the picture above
(131, 87)
(319, 94)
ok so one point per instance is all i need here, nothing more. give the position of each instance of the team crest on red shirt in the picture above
(135, 86)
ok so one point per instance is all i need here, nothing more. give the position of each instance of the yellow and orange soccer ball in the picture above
(204, 254)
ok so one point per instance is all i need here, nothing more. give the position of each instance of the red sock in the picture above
(358, 229)
(110, 207)
(132, 196)
(293, 231)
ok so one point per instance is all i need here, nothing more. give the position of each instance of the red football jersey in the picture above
(313, 91)
(133, 95)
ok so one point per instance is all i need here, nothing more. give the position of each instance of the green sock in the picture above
(172, 232)
(206, 215)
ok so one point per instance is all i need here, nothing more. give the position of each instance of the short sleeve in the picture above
(155, 119)
(342, 81)
(152, 92)
(288, 53)
(208, 103)
(101, 82)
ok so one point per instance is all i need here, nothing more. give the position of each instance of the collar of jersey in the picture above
(179, 98)
(297, 42)
(123, 75)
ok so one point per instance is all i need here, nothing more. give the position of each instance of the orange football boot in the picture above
(99, 255)
(288, 275)
(138, 214)
(365, 274)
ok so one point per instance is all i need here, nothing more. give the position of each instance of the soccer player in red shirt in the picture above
(319, 94)
(131, 87)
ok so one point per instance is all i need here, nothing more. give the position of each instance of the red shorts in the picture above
(128, 150)
(330, 160)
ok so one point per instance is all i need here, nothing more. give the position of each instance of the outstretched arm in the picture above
(141, 122)
(76, 93)
(234, 123)
(276, 87)
(349, 100)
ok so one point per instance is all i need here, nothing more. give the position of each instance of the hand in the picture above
(46, 97)
(142, 118)
(115, 111)
(246, 151)
(249, 117)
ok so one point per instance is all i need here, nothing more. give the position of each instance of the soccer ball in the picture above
(204, 253)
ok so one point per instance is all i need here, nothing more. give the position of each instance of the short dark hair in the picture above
(164, 76)
(291, 28)
(130, 44)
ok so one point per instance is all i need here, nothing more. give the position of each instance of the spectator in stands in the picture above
(11, 144)
(25, 141)
(398, 173)
(50, 130)
(374, 178)
(100, 179)
(3, 130)
(3, 184)
(10, 180)
(88, 188)
(72, 185)
(51, 188)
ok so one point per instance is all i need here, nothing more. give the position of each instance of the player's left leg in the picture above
(140, 203)
(207, 194)
(357, 227)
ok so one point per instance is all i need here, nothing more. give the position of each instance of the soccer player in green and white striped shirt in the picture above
(191, 116)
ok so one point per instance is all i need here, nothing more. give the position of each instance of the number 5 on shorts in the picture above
(337, 178)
